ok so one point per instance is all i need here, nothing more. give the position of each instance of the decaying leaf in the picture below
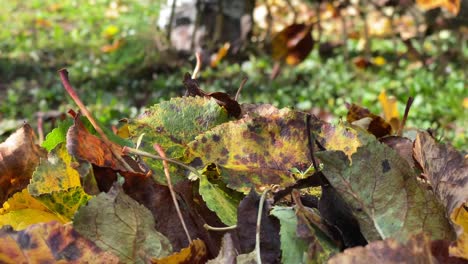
(363, 118)
(447, 172)
(453, 6)
(255, 151)
(117, 223)
(50, 243)
(293, 44)
(173, 124)
(19, 157)
(403, 146)
(389, 106)
(416, 250)
(195, 253)
(384, 193)
(227, 253)
(86, 147)
(246, 229)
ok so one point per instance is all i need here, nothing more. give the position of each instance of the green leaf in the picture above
(220, 199)
(292, 247)
(57, 135)
(172, 124)
(65, 203)
(255, 151)
(119, 224)
(384, 193)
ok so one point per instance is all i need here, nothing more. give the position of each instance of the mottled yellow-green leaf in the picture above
(22, 200)
(384, 193)
(119, 224)
(50, 243)
(255, 151)
(20, 219)
(65, 203)
(172, 124)
(54, 174)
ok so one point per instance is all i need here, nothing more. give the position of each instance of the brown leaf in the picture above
(416, 250)
(447, 172)
(85, 146)
(403, 146)
(19, 157)
(195, 213)
(223, 99)
(49, 243)
(362, 117)
(269, 230)
(195, 253)
(293, 44)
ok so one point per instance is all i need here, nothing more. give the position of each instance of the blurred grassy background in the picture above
(113, 52)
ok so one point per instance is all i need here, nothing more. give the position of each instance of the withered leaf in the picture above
(87, 147)
(416, 250)
(269, 230)
(119, 224)
(447, 172)
(19, 157)
(293, 44)
(227, 253)
(384, 193)
(195, 253)
(50, 243)
(362, 117)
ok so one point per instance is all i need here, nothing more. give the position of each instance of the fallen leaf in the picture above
(173, 124)
(403, 146)
(447, 172)
(19, 157)
(57, 135)
(453, 6)
(20, 219)
(375, 124)
(218, 56)
(269, 229)
(86, 147)
(195, 253)
(416, 250)
(384, 193)
(292, 246)
(227, 253)
(50, 243)
(293, 44)
(119, 224)
(389, 106)
(220, 199)
(255, 151)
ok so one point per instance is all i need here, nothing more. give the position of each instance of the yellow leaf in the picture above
(54, 174)
(465, 102)
(222, 52)
(21, 200)
(389, 106)
(460, 247)
(110, 31)
(379, 61)
(23, 218)
(195, 253)
(453, 6)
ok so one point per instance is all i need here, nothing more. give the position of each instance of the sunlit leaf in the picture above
(453, 6)
(50, 243)
(293, 44)
(195, 253)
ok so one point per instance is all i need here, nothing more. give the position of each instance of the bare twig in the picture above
(212, 228)
(152, 156)
(171, 189)
(171, 20)
(259, 221)
(40, 127)
(66, 84)
(197, 66)
(405, 116)
(244, 80)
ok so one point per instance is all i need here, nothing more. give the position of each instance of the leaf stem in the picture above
(405, 116)
(171, 190)
(66, 84)
(197, 66)
(244, 80)
(212, 228)
(152, 156)
(259, 221)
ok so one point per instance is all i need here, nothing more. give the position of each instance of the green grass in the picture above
(39, 38)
